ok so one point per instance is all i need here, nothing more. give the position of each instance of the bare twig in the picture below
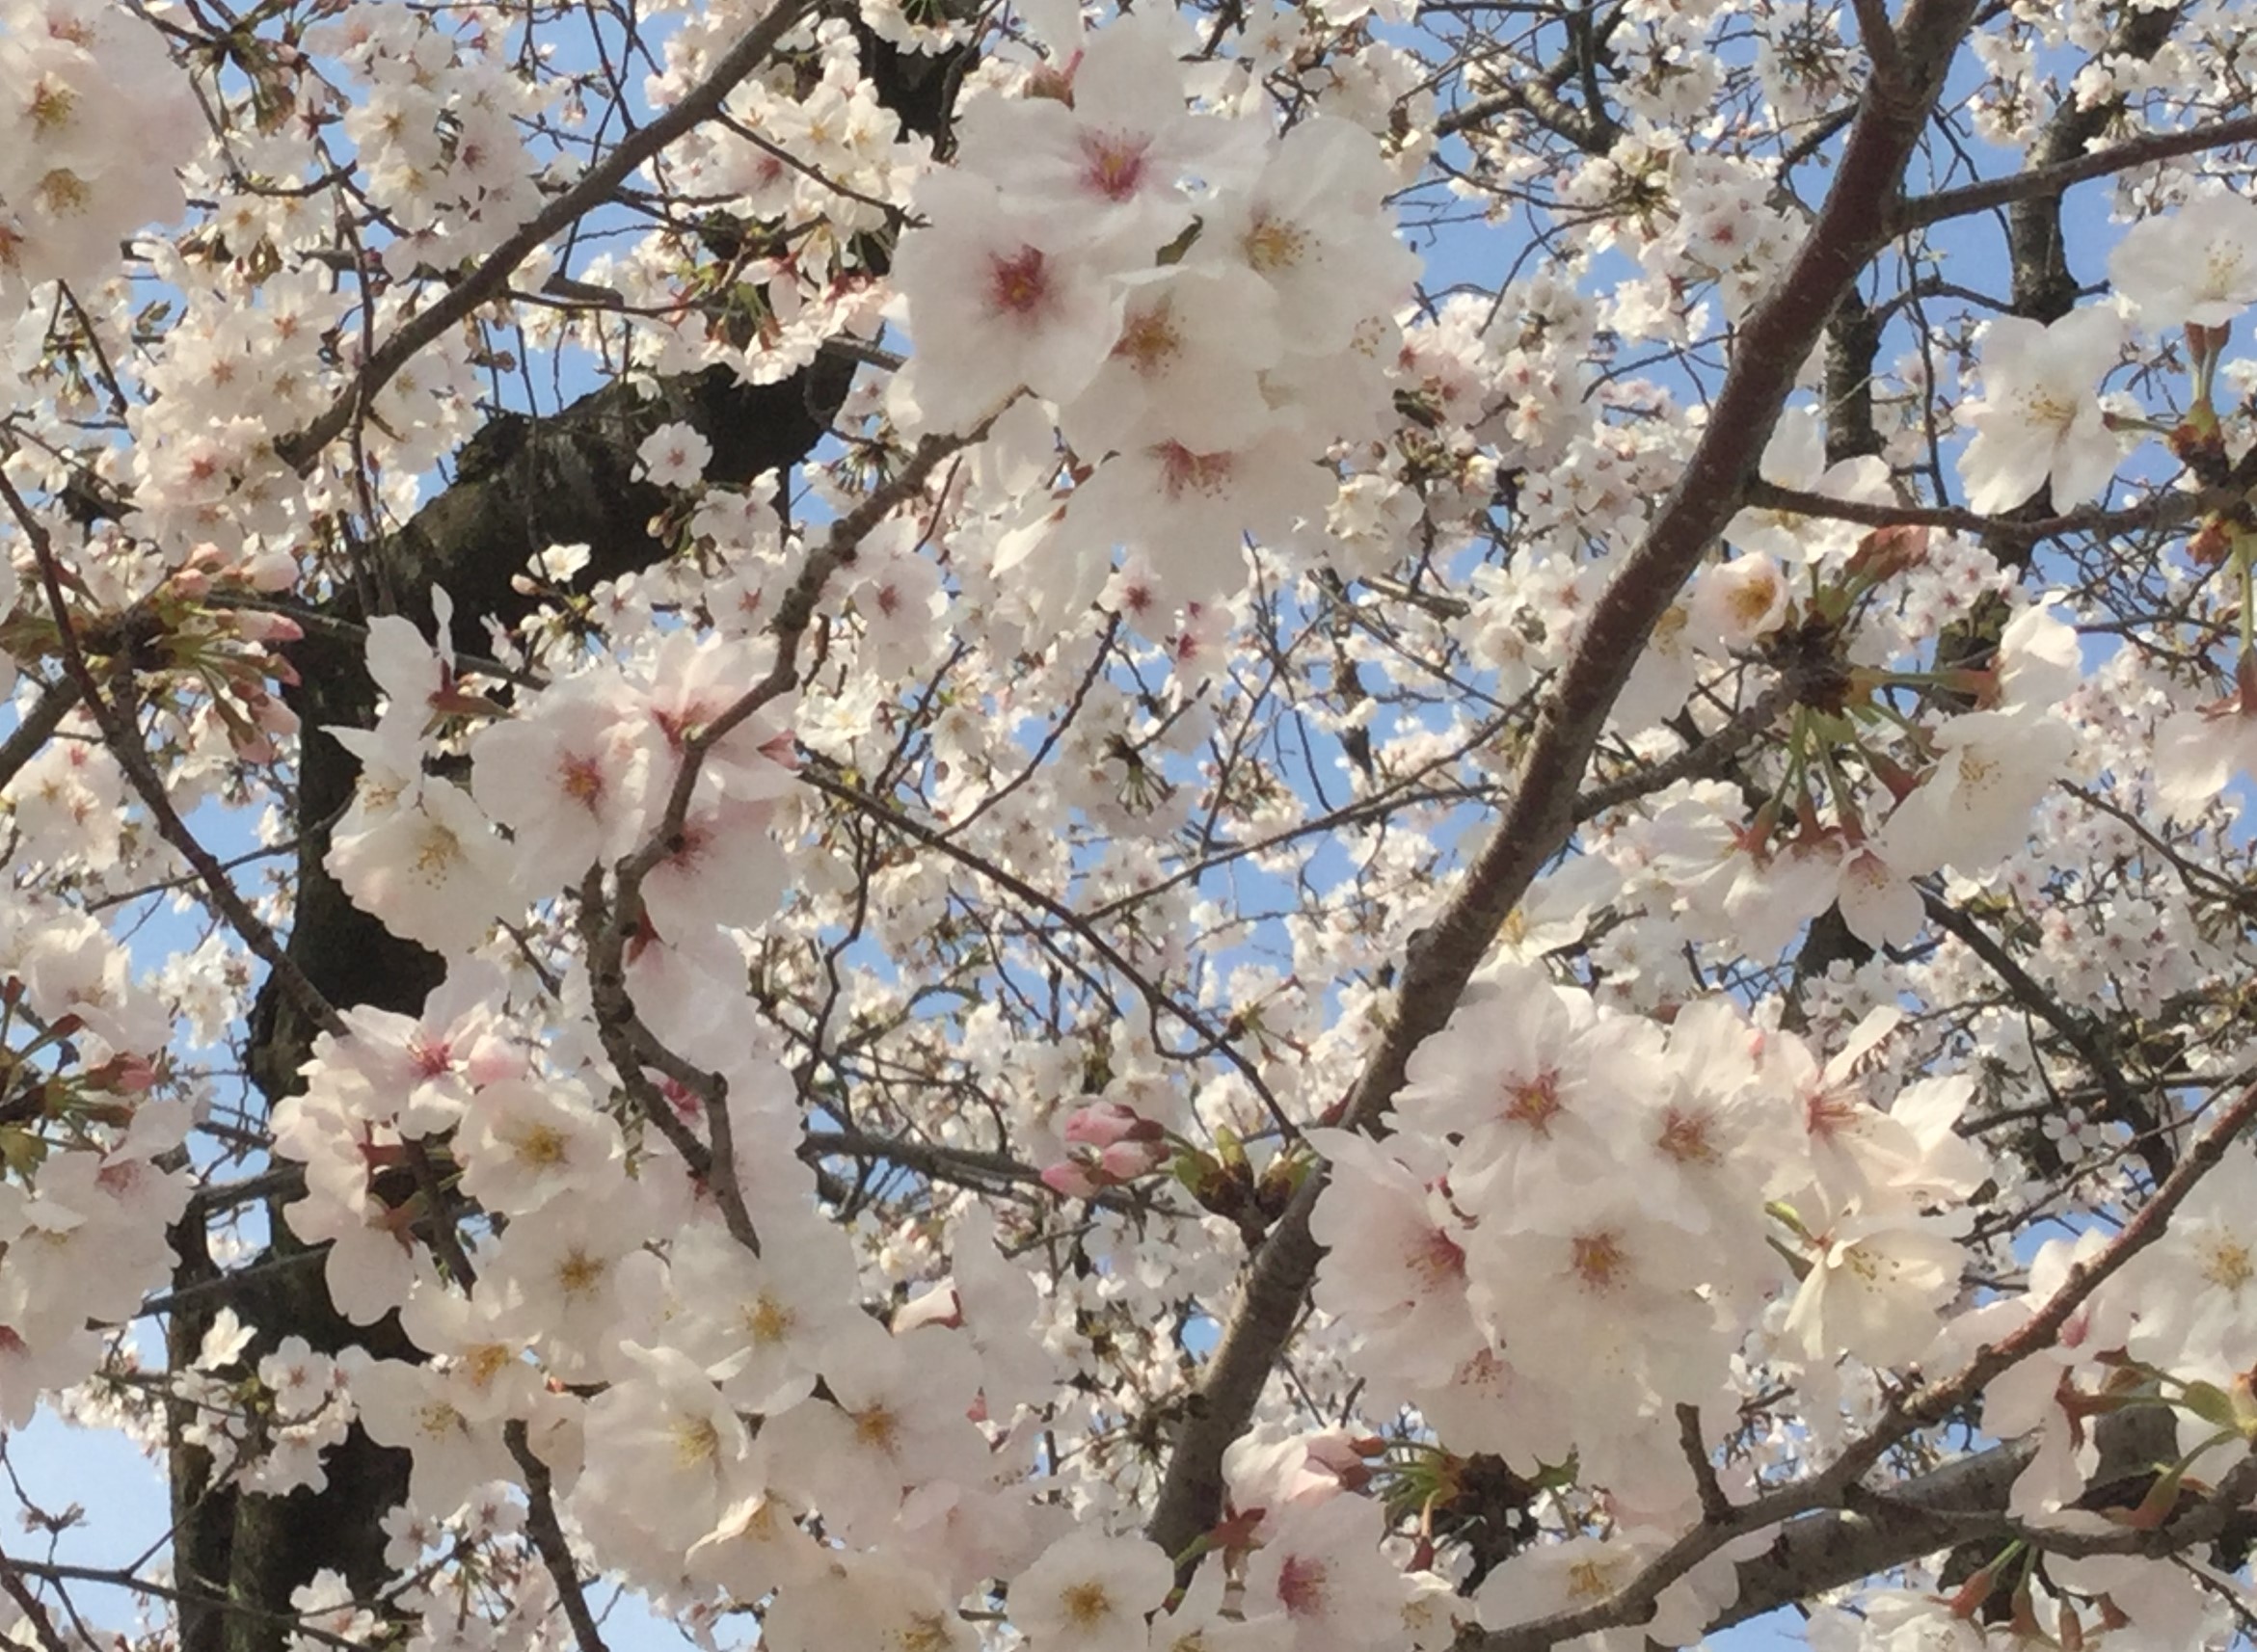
(1923, 210)
(549, 1539)
(1714, 1504)
(2163, 510)
(490, 278)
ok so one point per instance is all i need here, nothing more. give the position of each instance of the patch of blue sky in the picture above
(125, 1490)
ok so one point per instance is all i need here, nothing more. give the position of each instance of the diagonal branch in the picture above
(1923, 210)
(1777, 339)
(549, 1539)
(490, 278)
(2149, 1139)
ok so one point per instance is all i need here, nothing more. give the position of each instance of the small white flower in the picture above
(675, 456)
(2197, 266)
(2040, 418)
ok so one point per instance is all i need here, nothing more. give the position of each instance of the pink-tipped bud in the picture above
(1072, 1181)
(1126, 1161)
(255, 626)
(1102, 1124)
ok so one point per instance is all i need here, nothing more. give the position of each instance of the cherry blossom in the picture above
(675, 456)
(2040, 419)
(1157, 831)
(2193, 267)
(999, 298)
(1089, 1590)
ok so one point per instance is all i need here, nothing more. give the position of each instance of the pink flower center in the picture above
(1115, 165)
(584, 781)
(1534, 1103)
(1019, 284)
(1685, 1138)
(1438, 1260)
(1829, 1112)
(1302, 1585)
(1150, 341)
(1598, 1260)
(1182, 471)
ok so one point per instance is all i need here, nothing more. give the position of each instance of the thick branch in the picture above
(1824, 1551)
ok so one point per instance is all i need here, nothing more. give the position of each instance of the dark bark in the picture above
(2045, 288)
(520, 485)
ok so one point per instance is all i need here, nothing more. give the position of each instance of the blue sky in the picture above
(121, 1491)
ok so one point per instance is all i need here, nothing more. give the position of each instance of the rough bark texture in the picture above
(520, 485)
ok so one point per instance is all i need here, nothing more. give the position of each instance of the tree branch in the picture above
(2162, 511)
(2149, 1139)
(549, 1539)
(490, 278)
(1776, 339)
(1921, 211)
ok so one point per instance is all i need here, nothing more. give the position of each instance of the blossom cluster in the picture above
(74, 181)
(582, 776)
(871, 1061)
(1667, 1190)
(1206, 309)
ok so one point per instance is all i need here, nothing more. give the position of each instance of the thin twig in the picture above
(1714, 1504)
(490, 278)
(549, 1539)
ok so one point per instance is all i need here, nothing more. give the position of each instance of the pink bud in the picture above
(1126, 1161)
(254, 625)
(272, 715)
(131, 1076)
(1102, 1124)
(1070, 1181)
(269, 571)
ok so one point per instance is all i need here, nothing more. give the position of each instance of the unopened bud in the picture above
(2213, 542)
(1885, 552)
